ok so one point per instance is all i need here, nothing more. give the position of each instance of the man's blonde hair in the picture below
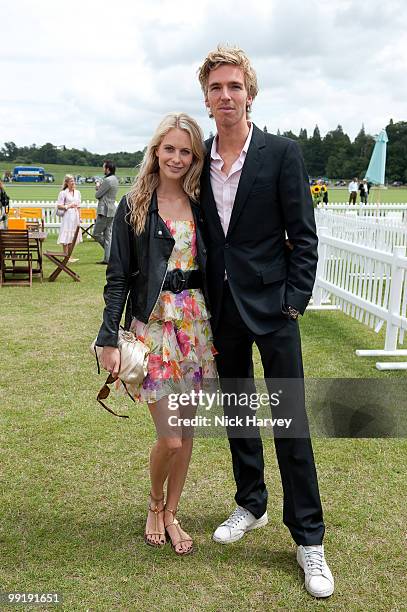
(233, 56)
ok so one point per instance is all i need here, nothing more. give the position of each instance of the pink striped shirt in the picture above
(224, 186)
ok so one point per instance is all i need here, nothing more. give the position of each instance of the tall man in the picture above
(254, 190)
(106, 194)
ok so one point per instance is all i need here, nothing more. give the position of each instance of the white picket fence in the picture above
(382, 233)
(367, 284)
(395, 210)
(362, 267)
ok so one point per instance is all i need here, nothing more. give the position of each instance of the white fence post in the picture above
(318, 291)
(396, 288)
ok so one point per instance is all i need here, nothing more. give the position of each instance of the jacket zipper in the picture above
(161, 288)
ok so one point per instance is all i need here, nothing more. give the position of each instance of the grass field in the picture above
(74, 480)
(59, 170)
(50, 193)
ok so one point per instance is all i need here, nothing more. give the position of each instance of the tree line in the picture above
(336, 156)
(333, 156)
(51, 154)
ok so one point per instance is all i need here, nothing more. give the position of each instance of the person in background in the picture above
(106, 195)
(4, 206)
(69, 200)
(367, 189)
(325, 197)
(353, 191)
(363, 191)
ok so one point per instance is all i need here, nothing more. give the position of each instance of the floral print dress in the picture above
(178, 332)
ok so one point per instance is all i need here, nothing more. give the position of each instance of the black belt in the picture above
(177, 280)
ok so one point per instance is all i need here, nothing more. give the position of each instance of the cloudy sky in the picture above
(101, 78)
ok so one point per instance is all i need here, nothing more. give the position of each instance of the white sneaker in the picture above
(319, 581)
(234, 528)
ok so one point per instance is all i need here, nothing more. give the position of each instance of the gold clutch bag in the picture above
(133, 363)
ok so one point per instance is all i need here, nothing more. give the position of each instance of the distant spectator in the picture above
(106, 194)
(363, 191)
(69, 200)
(353, 191)
(325, 197)
(4, 206)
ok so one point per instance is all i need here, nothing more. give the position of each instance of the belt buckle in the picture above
(177, 280)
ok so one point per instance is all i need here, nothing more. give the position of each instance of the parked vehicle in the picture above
(31, 174)
(28, 174)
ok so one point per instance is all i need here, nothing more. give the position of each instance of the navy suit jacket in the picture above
(273, 198)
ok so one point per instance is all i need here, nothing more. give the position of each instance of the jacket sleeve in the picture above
(299, 220)
(102, 189)
(121, 264)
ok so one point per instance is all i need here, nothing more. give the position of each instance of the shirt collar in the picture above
(214, 150)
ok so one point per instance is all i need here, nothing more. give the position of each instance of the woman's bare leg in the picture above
(167, 446)
(176, 479)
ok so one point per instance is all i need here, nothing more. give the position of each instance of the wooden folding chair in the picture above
(61, 260)
(87, 214)
(33, 213)
(35, 245)
(15, 247)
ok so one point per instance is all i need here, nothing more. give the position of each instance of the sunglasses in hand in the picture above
(104, 394)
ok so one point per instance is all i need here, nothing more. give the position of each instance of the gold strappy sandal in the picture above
(181, 538)
(156, 512)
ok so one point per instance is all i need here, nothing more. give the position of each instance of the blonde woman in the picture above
(69, 200)
(158, 258)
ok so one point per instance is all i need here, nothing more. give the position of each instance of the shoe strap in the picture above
(161, 499)
(156, 512)
(173, 512)
(176, 524)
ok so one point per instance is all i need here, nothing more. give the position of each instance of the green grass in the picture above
(59, 170)
(75, 479)
(50, 192)
(377, 195)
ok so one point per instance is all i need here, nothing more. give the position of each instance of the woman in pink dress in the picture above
(69, 200)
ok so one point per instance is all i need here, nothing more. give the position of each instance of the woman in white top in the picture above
(69, 200)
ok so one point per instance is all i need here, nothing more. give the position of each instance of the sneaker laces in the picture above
(314, 559)
(235, 518)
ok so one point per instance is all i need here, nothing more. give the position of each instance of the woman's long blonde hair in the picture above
(67, 178)
(148, 179)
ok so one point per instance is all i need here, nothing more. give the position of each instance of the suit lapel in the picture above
(250, 170)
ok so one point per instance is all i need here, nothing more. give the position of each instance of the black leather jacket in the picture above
(138, 265)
